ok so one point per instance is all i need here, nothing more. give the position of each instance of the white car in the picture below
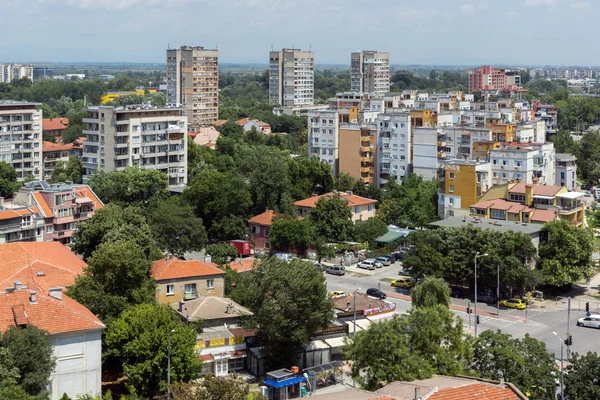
(367, 264)
(593, 321)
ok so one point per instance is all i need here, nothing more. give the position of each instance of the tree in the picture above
(567, 254)
(138, 341)
(221, 253)
(345, 182)
(231, 129)
(309, 176)
(72, 171)
(412, 204)
(523, 362)
(72, 133)
(8, 180)
(581, 377)
(430, 292)
(8, 370)
(32, 355)
(175, 227)
(564, 143)
(291, 234)
(589, 157)
(130, 186)
(212, 387)
(289, 302)
(332, 219)
(369, 230)
(409, 347)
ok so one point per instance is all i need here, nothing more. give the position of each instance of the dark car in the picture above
(374, 292)
(487, 297)
(586, 187)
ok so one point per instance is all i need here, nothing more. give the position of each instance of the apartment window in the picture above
(49, 229)
(451, 201)
(170, 289)
(504, 175)
(451, 189)
(451, 213)
(498, 214)
(451, 175)
(495, 162)
(402, 125)
(357, 210)
(562, 175)
(189, 288)
(518, 163)
(210, 283)
(330, 122)
(495, 175)
(504, 162)
(370, 207)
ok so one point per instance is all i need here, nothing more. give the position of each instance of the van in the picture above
(367, 264)
(593, 321)
(336, 270)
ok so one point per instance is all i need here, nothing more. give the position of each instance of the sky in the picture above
(450, 32)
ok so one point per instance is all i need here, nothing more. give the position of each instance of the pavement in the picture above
(540, 319)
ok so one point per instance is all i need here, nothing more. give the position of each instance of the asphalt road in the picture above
(539, 322)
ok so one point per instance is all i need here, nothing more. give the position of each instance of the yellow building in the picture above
(357, 152)
(107, 98)
(423, 118)
(462, 182)
(482, 148)
(530, 203)
(504, 133)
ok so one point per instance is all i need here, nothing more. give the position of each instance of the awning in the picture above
(571, 195)
(392, 235)
(288, 382)
(536, 196)
(83, 200)
(325, 367)
(335, 342)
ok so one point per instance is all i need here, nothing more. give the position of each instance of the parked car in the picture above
(336, 270)
(404, 282)
(514, 303)
(367, 264)
(593, 321)
(384, 260)
(378, 264)
(486, 297)
(337, 293)
(586, 187)
(284, 256)
(374, 292)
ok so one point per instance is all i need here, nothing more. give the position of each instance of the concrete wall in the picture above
(201, 287)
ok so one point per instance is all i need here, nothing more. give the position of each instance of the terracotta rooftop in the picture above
(211, 307)
(538, 190)
(175, 268)
(476, 391)
(55, 124)
(502, 205)
(263, 219)
(47, 313)
(352, 199)
(80, 192)
(220, 122)
(244, 265)
(17, 213)
(543, 216)
(50, 146)
(51, 264)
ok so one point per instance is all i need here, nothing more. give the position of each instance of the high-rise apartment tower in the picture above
(291, 77)
(370, 72)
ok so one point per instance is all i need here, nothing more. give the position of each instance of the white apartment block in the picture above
(148, 137)
(291, 77)
(21, 137)
(395, 146)
(193, 81)
(370, 72)
(528, 162)
(323, 137)
(425, 152)
(14, 72)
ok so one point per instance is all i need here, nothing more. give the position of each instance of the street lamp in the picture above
(169, 364)
(562, 374)
(477, 255)
(354, 333)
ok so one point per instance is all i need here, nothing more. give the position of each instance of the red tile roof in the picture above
(501, 204)
(50, 314)
(18, 213)
(220, 122)
(175, 268)
(476, 391)
(86, 191)
(244, 265)
(538, 190)
(263, 219)
(39, 199)
(55, 124)
(49, 146)
(51, 264)
(352, 199)
(243, 121)
(543, 216)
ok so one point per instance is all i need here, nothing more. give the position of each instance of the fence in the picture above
(577, 305)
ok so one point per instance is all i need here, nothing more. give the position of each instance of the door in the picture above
(221, 367)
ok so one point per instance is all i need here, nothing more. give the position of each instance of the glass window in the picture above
(451, 189)
(189, 288)
(451, 175)
(170, 289)
(357, 210)
(210, 283)
(498, 214)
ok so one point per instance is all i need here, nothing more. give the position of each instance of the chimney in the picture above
(417, 392)
(207, 258)
(347, 305)
(1, 202)
(181, 303)
(33, 297)
(56, 292)
(528, 194)
(18, 285)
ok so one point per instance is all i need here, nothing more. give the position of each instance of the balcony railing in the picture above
(190, 295)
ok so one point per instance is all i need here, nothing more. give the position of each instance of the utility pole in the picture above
(498, 292)
(568, 325)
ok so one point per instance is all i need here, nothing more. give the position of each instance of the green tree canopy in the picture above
(332, 219)
(588, 161)
(72, 171)
(291, 234)
(8, 180)
(411, 204)
(221, 253)
(31, 353)
(430, 292)
(370, 229)
(289, 302)
(581, 377)
(212, 387)
(130, 186)
(523, 362)
(138, 340)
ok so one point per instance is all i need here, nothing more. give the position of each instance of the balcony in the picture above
(89, 120)
(10, 228)
(366, 159)
(441, 143)
(366, 169)
(367, 149)
(190, 295)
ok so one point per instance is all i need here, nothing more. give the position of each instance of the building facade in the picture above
(488, 78)
(323, 136)
(370, 72)
(358, 152)
(531, 163)
(14, 72)
(566, 171)
(148, 137)
(21, 137)
(193, 81)
(394, 153)
(59, 152)
(362, 208)
(291, 77)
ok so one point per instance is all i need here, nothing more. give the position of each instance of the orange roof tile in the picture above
(86, 191)
(39, 199)
(55, 124)
(49, 146)
(50, 314)
(220, 122)
(263, 219)
(539, 190)
(543, 216)
(243, 121)
(17, 213)
(244, 265)
(352, 199)
(174, 269)
(51, 264)
(476, 391)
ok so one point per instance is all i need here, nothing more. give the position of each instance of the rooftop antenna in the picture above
(272, 48)
(310, 47)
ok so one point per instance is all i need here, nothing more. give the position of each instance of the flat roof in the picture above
(483, 223)
(571, 195)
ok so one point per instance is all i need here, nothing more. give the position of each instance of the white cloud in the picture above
(470, 8)
(580, 5)
(110, 4)
(541, 2)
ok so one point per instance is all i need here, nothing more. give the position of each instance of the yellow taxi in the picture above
(337, 293)
(514, 303)
(403, 282)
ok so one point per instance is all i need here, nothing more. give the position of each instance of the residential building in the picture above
(566, 171)
(222, 345)
(193, 81)
(55, 126)
(32, 279)
(14, 72)
(59, 152)
(358, 151)
(532, 163)
(180, 280)
(298, 110)
(488, 78)
(428, 149)
(462, 183)
(291, 77)
(260, 227)
(323, 136)
(362, 208)
(530, 203)
(41, 73)
(20, 223)
(248, 124)
(21, 137)
(394, 153)
(57, 210)
(370, 72)
(549, 114)
(244, 264)
(148, 137)
(205, 135)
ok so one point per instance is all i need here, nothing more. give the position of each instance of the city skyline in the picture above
(440, 32)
